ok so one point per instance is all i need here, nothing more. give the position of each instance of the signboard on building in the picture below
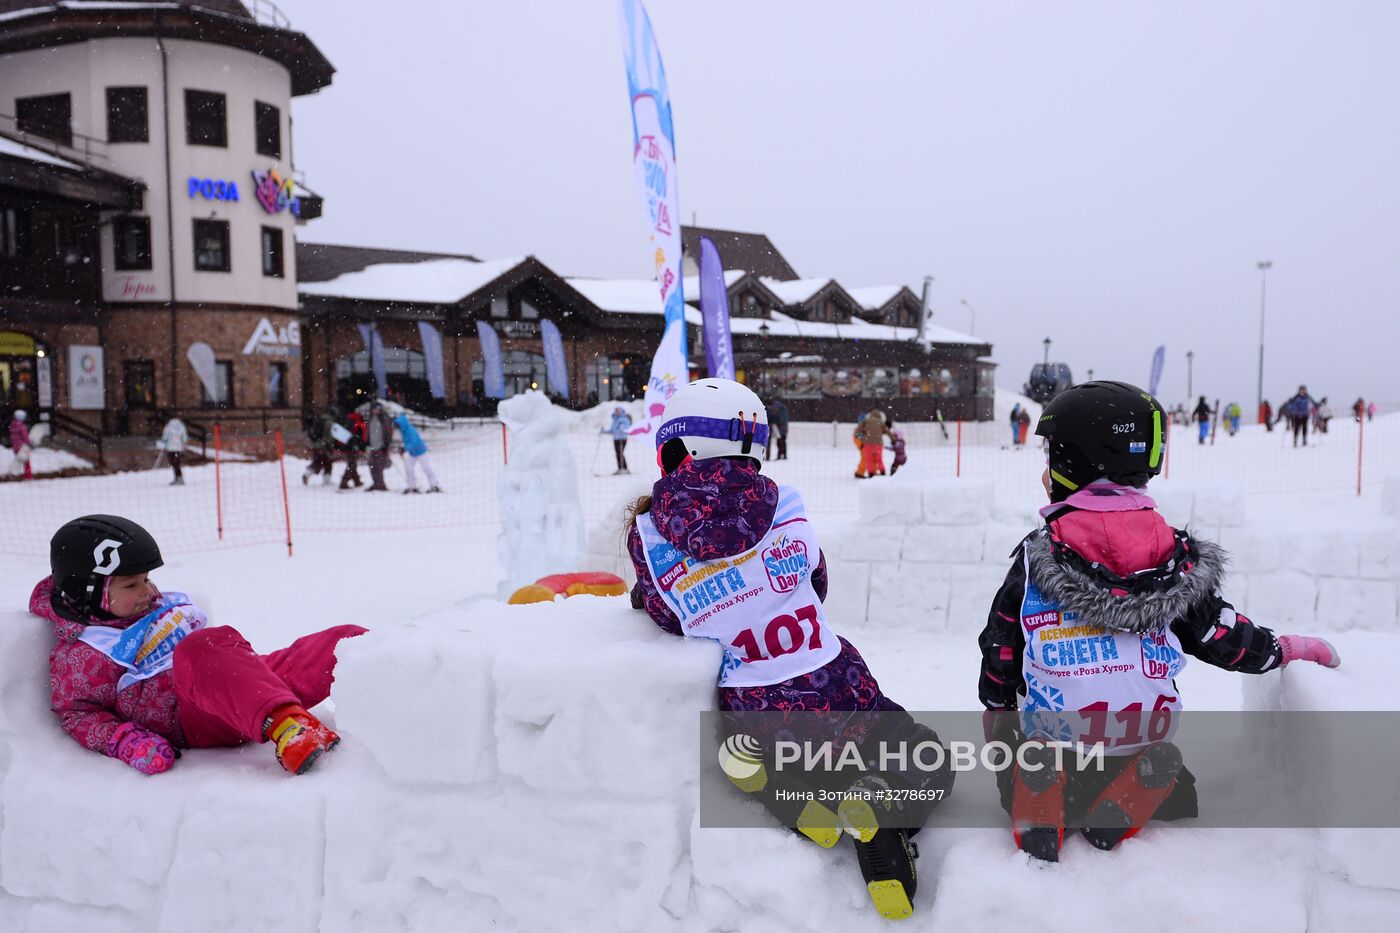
(274, 341)
(86, 381)
(16, 344)
(275, 193)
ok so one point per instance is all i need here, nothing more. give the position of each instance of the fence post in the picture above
(959, 460)
(218, 481)
(834, 434)
(1360, 446)
(505, 450)
(286, 508)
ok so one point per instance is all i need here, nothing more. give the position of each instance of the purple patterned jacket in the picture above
(720, 507)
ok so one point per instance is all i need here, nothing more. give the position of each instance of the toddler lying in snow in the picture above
(138, 673)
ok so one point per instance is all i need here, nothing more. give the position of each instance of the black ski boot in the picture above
(887, 864)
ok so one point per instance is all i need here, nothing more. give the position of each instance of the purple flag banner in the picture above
(714, 310)
(494, 377)
(432, 359)
(556, 367)
(374, 348)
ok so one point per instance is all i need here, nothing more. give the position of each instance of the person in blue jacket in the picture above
(620, 430)
(415, 454)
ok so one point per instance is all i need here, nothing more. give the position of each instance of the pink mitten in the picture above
(144, 751)
(1308, 648)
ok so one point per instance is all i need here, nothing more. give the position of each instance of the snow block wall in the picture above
(932, 555)
(500, 767)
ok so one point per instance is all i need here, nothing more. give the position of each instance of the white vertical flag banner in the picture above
(654, 161)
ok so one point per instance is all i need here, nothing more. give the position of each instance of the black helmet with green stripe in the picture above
(1102, 430)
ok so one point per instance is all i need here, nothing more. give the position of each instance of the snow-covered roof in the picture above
(796, 291)
(438, 281)
(13, 147)
(640, 296)
(874, 297)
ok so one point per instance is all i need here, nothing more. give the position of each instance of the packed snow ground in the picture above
(534, 767)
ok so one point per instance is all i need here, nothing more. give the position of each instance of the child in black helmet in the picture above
(137, 672)
(1096, 617)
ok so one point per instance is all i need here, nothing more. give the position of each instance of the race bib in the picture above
(147, 647)
(1093, 685)
(759, 604)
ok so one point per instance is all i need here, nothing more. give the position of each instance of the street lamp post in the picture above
(1189, 356)
(973, 327)
(1046, 341)
(1264, 266)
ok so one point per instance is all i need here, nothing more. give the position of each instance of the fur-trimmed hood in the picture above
(1142, 602)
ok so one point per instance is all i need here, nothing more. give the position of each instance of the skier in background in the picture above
(321, 433)
(1371, 412)
(897, 445)
(173, 438)
(778, 421)
(19, 444)
(1322, 415)
(1138, 591)
(870, 436)
(415, 454)
(1358, 409)
(1232, 417)
(1023, 426)
(710, 506)
(1266, 415)
(619, 429)
(1016, 425)
(1202, 416)
(379, 435)
(1299, 410)
(359, 434)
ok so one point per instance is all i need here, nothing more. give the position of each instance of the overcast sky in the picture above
(1105, 174)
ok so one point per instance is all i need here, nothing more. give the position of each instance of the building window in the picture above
(14, 229)
(267, 121)
(211, 246)
(139, 379)
(277, 385)
(499, 308)
(206, 123)
(272, 252)
(50, 116)
(223, 387)
(126, 115)
(131, 238)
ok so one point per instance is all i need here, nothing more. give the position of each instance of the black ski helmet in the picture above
(87, 552)
(1102, 429)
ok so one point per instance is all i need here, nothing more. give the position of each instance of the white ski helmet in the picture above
(21, 414)
(715, 418)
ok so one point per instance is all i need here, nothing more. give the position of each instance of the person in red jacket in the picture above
(137, 673)
(1096, 618)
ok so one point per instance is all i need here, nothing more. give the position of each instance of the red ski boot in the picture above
(299, 738)
(1038, 803)
(1129, 801)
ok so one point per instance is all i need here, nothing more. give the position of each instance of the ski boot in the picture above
(1130, 799)
(887, 864)
(300, 738)
(740, 758)
(1038, 804)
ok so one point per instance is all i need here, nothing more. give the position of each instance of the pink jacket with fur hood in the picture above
(83, 685)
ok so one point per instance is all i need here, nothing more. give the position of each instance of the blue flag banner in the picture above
(432, 358)
(556, 367)
(714, 311)
(374, 349)
(654, 164)
(494, 377)
(1159, 359)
